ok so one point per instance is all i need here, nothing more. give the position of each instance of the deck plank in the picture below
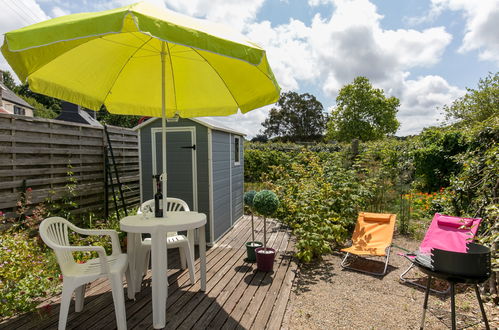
(242, 298)
(214, 298)
(237, 296)
(219, 277)
(235, 283)
(178, 299)
(259, 312)
(176, 281)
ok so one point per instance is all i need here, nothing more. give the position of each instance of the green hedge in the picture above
(319, 200)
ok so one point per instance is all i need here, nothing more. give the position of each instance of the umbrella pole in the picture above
(163, 126)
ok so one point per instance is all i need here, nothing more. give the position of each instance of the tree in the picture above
(8, 81)
(297, 117)
(435, 157)
(477, 105)
(105, 117)
(362, 112)
(260, 138)
(40, 110)
(50, 103)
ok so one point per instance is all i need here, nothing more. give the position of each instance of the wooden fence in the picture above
(38, 153)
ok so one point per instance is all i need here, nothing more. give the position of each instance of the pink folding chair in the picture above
(446, 233)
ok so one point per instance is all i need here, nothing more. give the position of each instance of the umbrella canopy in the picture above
(143, 60)
(112, 58)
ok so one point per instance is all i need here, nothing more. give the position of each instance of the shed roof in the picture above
(205, 121)
(10, 96)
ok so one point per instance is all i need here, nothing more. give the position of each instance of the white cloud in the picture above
(15, 15)
(314, 3)
(481, 27)
(248, 123)
(58, 11)
(416, 48)
(332, 51)
(422, 100)
(234, 13)
(288, 50)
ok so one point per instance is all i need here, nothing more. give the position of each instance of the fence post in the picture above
(106, 189)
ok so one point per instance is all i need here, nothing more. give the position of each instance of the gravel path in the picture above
(327, 297)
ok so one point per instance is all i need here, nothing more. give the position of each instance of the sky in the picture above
(424, 52)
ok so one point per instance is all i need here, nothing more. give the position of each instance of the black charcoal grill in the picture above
(472, 267)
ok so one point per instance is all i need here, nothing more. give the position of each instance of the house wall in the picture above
(9, 106)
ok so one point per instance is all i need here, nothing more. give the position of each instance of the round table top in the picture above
(174, 221)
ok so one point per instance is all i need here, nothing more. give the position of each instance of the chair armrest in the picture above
(115, 242)
(99, 249)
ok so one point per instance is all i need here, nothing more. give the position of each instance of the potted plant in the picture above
(265, 203)
(252, 245)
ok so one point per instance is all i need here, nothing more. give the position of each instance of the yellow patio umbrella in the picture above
(143, 60)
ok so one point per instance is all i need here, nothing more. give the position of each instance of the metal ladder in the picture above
(112, 179)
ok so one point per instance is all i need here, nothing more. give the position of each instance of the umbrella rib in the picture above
(122, 68)
(266, 75)
(146, 35)
(173, 75)
(216, 71)
(154, 51)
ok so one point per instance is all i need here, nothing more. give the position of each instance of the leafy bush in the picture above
(474, 191)
(289, 147)
(425, 205)
(319, 200)
(434, 157)
(388, 167)
(28, 271)
(257, 162)
(260, 157)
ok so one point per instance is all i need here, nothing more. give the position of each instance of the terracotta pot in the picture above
(250, 250)
(265, 259)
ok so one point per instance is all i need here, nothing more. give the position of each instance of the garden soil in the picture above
(325, 296)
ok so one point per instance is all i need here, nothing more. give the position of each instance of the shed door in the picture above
(181, 162)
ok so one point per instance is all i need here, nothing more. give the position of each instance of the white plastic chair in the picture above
(54, 232)
(174, 240)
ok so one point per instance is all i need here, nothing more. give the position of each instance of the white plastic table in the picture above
(135, 225)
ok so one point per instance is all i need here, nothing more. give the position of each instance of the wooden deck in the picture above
(237, 295)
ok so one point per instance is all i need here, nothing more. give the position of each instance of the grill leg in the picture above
(453, 305)
(481, 307)
(425, 305)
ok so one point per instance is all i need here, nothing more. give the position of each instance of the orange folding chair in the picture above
(372, 236)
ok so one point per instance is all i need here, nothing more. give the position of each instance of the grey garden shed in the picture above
(205, 167)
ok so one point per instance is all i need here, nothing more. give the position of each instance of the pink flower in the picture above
(29, 189)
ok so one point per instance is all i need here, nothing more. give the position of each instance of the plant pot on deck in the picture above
(265, 259)
(250, 250)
